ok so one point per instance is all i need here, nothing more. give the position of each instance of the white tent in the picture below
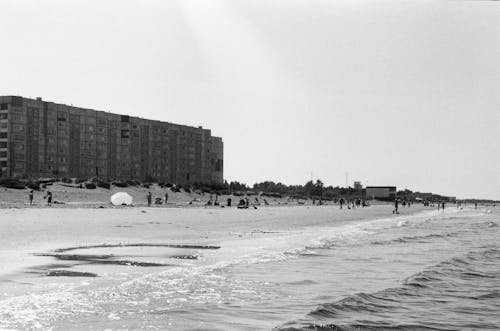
(121, 198)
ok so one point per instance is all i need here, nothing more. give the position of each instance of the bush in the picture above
(67, 180)
(169, 185)
(90, 186)
(175, 189)
(104, 184)
(47, 181)
(33, 185)
(273, 195)
(146, 185)
(80, 180)
(132, 182)
(119, 184)
(12, 183)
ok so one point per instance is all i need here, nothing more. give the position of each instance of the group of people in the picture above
(396, 205)
(158, 201)
(353, 204)
(47, 196)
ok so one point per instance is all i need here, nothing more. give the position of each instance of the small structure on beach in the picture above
(121, 199)
(381, 192)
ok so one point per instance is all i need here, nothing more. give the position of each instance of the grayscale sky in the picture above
(402, 93)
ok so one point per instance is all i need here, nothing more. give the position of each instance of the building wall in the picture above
(44, 139)
(386, 192)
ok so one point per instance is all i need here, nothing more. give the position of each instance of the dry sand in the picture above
(71, 196)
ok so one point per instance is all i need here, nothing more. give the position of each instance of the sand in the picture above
(27, 233)
(70, 196)
(62, 261)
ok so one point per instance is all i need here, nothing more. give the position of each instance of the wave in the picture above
(459, 293)
(412, 239)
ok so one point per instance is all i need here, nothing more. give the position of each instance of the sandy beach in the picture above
(29, 231)
(191, 268)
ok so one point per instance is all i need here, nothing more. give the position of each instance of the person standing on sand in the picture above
(396, 202)
(31, 197)
(149, 197)
(49, 198)
(166, 198)
(442, 206)
(439, 205)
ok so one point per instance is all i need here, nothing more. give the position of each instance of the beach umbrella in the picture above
(121, 198)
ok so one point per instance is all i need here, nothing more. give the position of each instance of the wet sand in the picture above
(42, 236)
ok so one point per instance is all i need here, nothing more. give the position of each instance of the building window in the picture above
(3, 144)
(3, 154)
(4, 106)
(3, 116)
(3, 134)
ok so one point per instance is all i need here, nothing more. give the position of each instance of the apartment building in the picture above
(46, 139)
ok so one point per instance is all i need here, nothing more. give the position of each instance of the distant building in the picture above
(46, 139)
(381, 192)
(358, 186)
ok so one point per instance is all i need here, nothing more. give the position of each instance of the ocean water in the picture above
(431, 270)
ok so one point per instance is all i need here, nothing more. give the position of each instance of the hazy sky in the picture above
(402, 93)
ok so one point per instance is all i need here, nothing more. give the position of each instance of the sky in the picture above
(403, 93)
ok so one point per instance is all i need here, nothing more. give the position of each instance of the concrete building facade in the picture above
(381, 192)
(46, 139)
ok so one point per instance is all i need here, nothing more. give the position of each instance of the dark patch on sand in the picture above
(65, 254)
(67, 273)
(123, 226)
(103, 259)
(183, 257)
(186, 246)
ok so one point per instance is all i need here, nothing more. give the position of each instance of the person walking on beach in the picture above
(396, 202)
(30, 196)
(442, 206)
(149, 197)
(49, 198)
(166, 198)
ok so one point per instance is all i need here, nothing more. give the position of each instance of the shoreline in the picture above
(30, 231)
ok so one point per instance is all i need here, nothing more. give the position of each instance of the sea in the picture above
(431, 270)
